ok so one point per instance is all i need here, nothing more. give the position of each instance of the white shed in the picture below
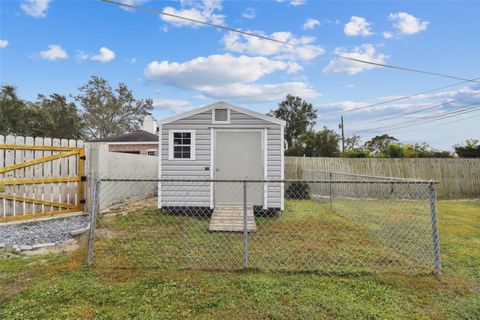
(222, 142)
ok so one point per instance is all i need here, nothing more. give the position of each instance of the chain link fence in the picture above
(330, 224)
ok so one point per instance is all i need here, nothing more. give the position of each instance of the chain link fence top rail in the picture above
(330, 224)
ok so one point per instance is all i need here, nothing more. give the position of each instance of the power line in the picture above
(461, 119)
(400, 114)
(399, 99)
(426, 119)
(449, 113)
(250, 34)
(420, 110)
(442, 118)
(411, 122)
(435, 115)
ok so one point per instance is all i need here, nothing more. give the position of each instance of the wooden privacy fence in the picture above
(458, 178)
(40, 177)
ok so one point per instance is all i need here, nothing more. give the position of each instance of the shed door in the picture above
(238, 156)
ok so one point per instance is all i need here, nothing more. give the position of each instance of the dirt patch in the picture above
(109, 233)
(64, 247)
(123, 209)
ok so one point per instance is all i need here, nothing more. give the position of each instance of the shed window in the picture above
(182, 145)
(221, 115)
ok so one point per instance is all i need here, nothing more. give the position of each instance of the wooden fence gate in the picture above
(40, 177)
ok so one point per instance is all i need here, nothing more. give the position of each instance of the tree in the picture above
(57, 118)
(48, 117)
(424, 150)
(378, 144)
(110, 112)
(352, 143)
(471, 149)
(323, 143)
(296, 151)
(300, 116)
(393, 150)
(16, 115)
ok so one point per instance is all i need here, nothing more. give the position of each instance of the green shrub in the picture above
(298, 190)
(356, 153)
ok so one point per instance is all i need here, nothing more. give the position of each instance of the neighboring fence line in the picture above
(40, 177)
(458, 178)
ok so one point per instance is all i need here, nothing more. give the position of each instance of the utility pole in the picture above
(340, 126)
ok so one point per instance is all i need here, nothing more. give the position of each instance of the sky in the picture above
(53, 46)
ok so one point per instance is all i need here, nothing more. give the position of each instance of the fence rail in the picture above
(331, 226)
(458, 178)
(40, 177)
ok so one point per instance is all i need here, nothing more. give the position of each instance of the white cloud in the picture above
(407, 24)
(303, 49)
(294, 3)
(297, 2)
(342, 105)
(387, 35)
(204, 11)
(35, 8)
(248, 13)
(228, 77)
(213, 70)
(357, 26)
(54, 52)
(104, 55)
(364, 52)
(252, 93)
(293, 67)
(310, 24)
(451, 94)
(3, 43)
(173, 105)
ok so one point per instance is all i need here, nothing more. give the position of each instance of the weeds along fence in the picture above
(334, 224)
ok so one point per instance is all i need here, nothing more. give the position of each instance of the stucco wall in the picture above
(105, 164)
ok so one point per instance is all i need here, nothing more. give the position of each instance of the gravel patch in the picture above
(29, 235)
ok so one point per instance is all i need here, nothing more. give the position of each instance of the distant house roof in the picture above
(132, 137)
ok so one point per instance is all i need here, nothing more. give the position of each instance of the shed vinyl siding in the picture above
(198, 195)
(183, 194)
(274, 153)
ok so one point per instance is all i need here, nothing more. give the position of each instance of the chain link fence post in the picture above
(94, 201)
(433, 216)
(331, 192)
(245, 227)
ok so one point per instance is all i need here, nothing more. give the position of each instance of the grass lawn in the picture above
(58, 286)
